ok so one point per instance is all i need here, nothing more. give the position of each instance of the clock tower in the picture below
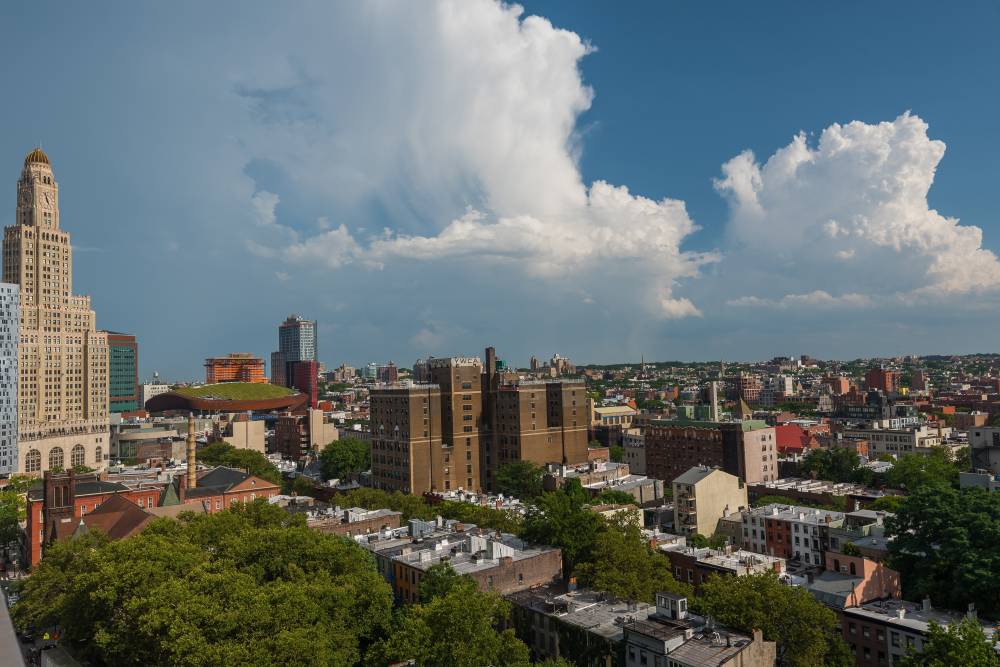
(63, 360)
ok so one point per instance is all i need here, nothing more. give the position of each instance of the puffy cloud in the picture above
(462, 130)
(850, 212)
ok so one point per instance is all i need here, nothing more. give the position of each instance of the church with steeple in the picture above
(62, 394)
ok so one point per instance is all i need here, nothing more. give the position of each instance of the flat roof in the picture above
(797, 513)
(915, 617)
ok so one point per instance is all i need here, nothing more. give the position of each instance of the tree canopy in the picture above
(837, 464)
(521, 479)
(805, 631)
(944, 545)
(960, 644)
(456, 628)
(250, 585)
(441, 579)
(12, 507)
(911, 471)
(615, 497)
(561, 518)
(346, 458)
(623, 564)
(224, 454)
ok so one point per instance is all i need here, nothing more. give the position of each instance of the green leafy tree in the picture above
(344, 459)
(837, 464)
(961, 644)
(616, 453)
(699, 541)
(911, 471)
(302, 486)
(615, 497)
(805, 631)
(12, 507)
(441, 579)
(943, 542)
(250, 585)
(623, 564)
(457, 629)
(255, 463)
(561, 518)
(887, 504)
(521, 479)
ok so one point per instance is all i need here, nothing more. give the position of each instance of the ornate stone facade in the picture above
(63, 359)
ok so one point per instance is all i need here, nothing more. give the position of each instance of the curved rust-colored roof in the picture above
(175, 401)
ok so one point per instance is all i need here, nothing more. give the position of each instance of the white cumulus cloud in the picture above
(850, 216)
(462, 129)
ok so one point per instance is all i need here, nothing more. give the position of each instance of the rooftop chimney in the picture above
(192, 477)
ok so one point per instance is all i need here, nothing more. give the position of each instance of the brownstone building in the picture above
(425, 437)
(745, 448)
(539, 421)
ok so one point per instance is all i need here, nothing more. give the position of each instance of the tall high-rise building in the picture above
(10, 325)
(425, 437)
(123, 372)
(63, 367)
(296, 342)
(542, 421)
(278, 369)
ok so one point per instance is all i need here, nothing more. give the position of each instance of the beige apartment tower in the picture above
(63, 359)
(425, 437)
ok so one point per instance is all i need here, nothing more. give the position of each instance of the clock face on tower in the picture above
(48, 199)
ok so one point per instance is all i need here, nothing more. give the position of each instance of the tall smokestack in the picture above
(192, 479)
(713, 397)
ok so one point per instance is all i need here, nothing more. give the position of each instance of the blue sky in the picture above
(429, 178)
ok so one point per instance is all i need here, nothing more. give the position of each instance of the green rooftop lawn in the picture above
(236, 391)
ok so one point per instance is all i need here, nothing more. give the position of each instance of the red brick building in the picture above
(221, 487)
(305, 378)
(883, 379)
(54, 510)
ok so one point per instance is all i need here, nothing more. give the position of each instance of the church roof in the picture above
(37, 155)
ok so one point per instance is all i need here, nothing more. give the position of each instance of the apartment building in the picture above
(984, 446)
(634, 448)
(746, 449)
(538, 421)
(498, 562)
(884, 439)
(696, 566)
(702, 496)
(791, 532)
(881, 633)
(426, 437)
(588, 627)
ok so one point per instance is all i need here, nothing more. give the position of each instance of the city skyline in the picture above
(597, 201)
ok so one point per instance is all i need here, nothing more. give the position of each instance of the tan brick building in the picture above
(63, 359)
(539, 421)
(425, 437)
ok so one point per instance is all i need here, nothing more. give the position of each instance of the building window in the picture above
(56, 458)
(33, 461)
(78, 456)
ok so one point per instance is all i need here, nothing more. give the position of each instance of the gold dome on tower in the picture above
(37, 155)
